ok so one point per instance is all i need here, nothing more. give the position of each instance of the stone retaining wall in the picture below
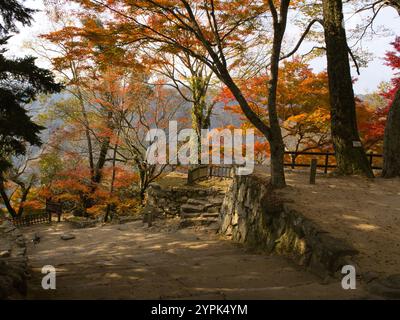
(170, 200)
(253, 214)
(13, 262)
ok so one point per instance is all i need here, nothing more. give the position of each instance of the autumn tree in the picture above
(150, 107)
(192, 79)
(302, 105)
(17, 183)
(391, 165)
(222, 30)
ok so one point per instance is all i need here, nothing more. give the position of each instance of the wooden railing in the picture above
(202, 172)
(45, 217)
(325, 158)
(31, 219)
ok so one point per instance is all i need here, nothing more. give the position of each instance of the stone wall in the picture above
(13, 262)
(178, 200)
(253, 214)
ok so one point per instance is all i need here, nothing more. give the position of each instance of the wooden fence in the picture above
(208, 171)
(31, 219)
(325, 158)
(45, 217)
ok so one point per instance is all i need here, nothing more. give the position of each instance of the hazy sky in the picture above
(370, 77)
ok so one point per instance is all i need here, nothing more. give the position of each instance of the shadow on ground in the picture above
(132, 262)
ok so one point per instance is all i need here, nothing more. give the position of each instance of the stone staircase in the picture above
(202, 210)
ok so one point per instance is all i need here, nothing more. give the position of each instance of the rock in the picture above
(5, 254)
(67, 237)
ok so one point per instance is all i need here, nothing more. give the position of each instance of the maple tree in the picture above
(223, 31)
(391, 163)
(105, 116)
(302, 104)
(192, 79)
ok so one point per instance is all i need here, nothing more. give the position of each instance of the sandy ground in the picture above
(133, 262)
(365, 212)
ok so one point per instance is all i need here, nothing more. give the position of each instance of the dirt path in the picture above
(365, 213)
(133, 262)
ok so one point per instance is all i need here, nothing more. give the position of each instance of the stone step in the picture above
(200, 202)
(216, 201)
(191, 208)
(185, 215)
(186, 223)
(210, 215)
(214, 210)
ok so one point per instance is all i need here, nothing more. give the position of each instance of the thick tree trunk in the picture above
(276, 140)
(391, 145)
(6, 201)
(277, 163)
(350, 155)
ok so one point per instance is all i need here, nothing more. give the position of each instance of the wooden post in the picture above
(293, 160)
(326, 163)
(313, 170)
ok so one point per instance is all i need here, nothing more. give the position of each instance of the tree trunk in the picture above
(276, 140)
(6, 201)
(277, 163)
(272, 132)
(391, 145)
(25, 193)
(350, 155)
(201, 112)
(105, 146)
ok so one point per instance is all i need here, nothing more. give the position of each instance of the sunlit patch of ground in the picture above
(133, 262)
(365, 212)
